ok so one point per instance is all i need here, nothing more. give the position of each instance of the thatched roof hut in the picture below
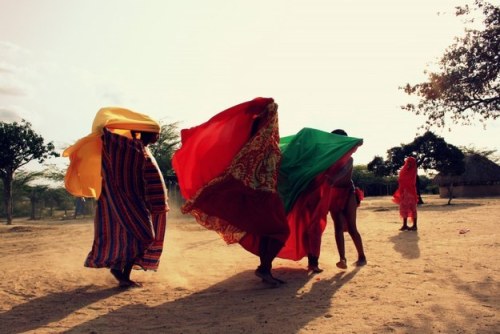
(480, 179)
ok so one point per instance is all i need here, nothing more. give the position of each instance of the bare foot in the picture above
(129, 284)
(342, 264)
(314, 269)
(404, 228)
(268, 278)
(413, 228)
(361, 262)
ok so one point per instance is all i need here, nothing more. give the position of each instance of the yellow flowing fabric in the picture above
(83, 177)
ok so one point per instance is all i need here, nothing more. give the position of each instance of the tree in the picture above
(57, 198)
(372, 184)
(56, 195)
(44, 189)
(430, 151)
(490, 154)
(467, 85)
(381, 167)
(19, 145)
(165, 147)
(22, 187)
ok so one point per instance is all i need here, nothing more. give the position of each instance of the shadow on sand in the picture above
(453, 206)
(41, 311)
(406, 243)
(239, 304)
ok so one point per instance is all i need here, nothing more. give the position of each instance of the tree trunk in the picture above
(33, 205)
(420, 200)
(7, 192)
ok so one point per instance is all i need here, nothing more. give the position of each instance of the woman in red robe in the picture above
(406, 194)
(227, 170)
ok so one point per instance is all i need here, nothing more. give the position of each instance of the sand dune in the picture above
(443, 278)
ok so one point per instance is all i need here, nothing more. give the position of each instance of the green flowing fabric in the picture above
(307, 154)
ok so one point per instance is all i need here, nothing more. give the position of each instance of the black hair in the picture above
(146, 137)
(340, 132)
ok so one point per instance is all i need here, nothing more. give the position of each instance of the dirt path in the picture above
(430, 281)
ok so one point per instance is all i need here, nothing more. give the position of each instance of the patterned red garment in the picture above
(406, 194)
(229, 176)
(131, 217)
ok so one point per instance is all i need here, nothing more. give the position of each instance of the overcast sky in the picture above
(328, 64)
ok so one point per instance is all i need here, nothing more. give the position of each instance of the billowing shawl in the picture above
(407, 188)
(309, 158)
(131, 215)
(227, 170)
(83, 176)
(307, 154)
(130, 219)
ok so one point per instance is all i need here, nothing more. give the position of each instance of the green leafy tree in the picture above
(381, 167)
(372, 184)
(378, 166)
(467, 84)
(56, 196)
(23, 187)
(164, 148)
(19, 145)
(44, 190)
(36, 195)
(431, 152)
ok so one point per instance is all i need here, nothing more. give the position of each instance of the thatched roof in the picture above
(479, 170)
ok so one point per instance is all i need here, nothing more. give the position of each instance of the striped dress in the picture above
(131, 214)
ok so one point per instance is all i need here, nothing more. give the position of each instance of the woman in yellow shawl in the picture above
(113, 164)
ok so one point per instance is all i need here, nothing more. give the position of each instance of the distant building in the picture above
(480, 179)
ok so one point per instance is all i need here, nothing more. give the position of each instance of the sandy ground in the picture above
(436, 280)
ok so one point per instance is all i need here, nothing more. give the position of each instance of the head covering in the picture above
(83, 176)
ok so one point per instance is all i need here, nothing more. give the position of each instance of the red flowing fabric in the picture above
(307, 222)
(227, 170)
(208, 149)
(406, 194)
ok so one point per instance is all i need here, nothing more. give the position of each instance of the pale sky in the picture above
(328, 64)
